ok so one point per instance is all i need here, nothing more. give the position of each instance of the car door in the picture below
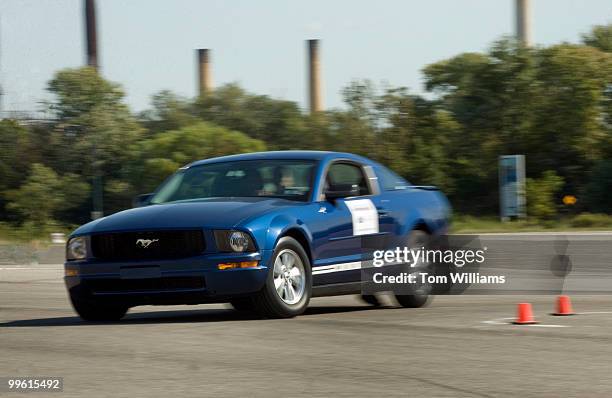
(392, 204)
(347, 223)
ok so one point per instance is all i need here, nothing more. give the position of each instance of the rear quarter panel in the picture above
(413, 207)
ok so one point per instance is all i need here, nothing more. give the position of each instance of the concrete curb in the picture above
(30, 255)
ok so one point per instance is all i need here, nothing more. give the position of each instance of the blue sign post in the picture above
(512, 187)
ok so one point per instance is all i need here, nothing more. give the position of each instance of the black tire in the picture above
(412, 301)
(371, 299)
(90, 310)
(243, 304)
(417, 238)
(267, 302)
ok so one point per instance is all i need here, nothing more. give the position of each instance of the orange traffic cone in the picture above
(524, 315)
(564, 306)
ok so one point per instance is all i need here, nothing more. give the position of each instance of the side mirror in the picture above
(338, 191)
(142, 200)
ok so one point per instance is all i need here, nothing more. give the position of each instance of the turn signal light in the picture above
(71, 272)
(243, 264)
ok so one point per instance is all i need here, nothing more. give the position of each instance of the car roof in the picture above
(301, 155)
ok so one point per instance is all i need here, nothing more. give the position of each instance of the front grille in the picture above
(143, 285)
(149, 245)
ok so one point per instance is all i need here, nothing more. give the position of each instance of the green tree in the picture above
(17, 150)
(20, 146)
(406, 132)
(169, 112)
(541, 195)
(279, 123)
(600, 37)
(551, 104)
(95, 134)
(164, 153)
(599, 187)
(43, 194)
(571, 129)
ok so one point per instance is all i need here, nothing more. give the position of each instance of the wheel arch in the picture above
(293, 227)
(421, 225)
(415, 220)
(300, 236)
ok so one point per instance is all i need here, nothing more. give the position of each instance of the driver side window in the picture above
(347, 173)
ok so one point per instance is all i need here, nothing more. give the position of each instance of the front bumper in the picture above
(183, 281)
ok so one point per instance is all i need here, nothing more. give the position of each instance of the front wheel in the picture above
(289, 283)
(243, 304)
(90, 310)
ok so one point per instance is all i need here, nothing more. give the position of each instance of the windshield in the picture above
(289, 179)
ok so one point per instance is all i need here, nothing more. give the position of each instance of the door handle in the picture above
(382, 212)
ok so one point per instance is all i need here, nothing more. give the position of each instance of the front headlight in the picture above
(234, 241)
(239, 241)
(76, 249)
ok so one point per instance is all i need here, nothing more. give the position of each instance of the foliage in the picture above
(169, 112)
(588, 220)
(553, 104)
(600, 37)
(15, 141)
(278, 123)
(550, 104)
(165, 152)
(43, 194)
(95, 133)
(541, 192)
(473, 224)
(599, 187)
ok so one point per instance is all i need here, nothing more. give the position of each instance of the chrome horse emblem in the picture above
(144, 243)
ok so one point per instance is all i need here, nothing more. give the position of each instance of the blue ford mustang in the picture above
(264, 231)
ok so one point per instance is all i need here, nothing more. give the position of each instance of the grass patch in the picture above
(28, 233)
(40, 236)
(581, 222)
(588, 220)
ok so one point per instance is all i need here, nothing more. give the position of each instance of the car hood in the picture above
(210, 213)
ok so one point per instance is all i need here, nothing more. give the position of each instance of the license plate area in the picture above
(140, 272)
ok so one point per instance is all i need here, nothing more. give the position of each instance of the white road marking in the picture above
(541, 325)
(508, 321)
(594, 312)
(504, 321)
(497, 321)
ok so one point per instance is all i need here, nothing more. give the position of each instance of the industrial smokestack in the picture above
(523, 22)
(90, 28)
(204, 72)
(314, 76)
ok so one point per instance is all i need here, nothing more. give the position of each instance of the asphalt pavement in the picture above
(458, 346)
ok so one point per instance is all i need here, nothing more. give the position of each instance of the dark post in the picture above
(90, 28)
(92, 61)
(204, 71)
(523, 22)
(314, 77)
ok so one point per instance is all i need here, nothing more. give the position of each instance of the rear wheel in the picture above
(289, 283)
(417, 239)
(371, 299)
(90, 310)
(412, 301)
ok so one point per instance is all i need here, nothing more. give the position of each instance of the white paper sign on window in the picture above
(365, 216)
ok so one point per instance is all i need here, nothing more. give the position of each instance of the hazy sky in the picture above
(148, 45)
